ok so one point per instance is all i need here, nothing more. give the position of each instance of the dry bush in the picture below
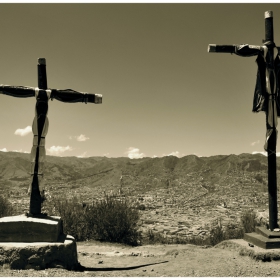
(5, 207)
(152, 237)
(114, 221)
(216, 232)
(248, 220)
(73, 216)
(106, 220)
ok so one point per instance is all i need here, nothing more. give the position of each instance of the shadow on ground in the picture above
(82, 268)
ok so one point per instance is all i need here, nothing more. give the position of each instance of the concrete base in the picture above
(29, 229)
(40, 255)
(263, 238)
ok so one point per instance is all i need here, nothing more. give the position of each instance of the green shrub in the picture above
(5, 207)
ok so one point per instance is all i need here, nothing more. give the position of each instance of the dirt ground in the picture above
(116, 260)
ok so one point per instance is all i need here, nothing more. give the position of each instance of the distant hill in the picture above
(137, 173)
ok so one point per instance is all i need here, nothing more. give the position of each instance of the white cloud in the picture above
(81, 138)
(134, 153)
(263, 153)
(254, 143)
(4, 150)
(20, 151)
(23, 131)
(83, 155)
(57, 150)
(106, 155)
(176, 154)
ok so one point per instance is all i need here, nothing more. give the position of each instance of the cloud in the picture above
(176, 154)
(84, 154)
(57, 150)
(80, 138)
(4, 150)
(20, 151)
(106, 155)
(254, 143)
(263, 153)
(23, 131)
(134, 153)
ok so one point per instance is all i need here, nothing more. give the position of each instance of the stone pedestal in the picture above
(29, 229)
(264, 238)
(38, 243)
(40, 255)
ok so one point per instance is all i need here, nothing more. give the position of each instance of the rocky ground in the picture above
(227, 259)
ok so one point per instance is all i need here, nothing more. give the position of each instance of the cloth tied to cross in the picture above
(266, 95)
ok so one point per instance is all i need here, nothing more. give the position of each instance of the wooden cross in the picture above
(40, 126)
(266, 98)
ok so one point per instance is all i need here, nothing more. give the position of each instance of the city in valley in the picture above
(177, 197)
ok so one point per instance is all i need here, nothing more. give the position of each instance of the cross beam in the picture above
(40, 126)
(266, 98)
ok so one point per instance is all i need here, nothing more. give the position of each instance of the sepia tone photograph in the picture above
(139, 139)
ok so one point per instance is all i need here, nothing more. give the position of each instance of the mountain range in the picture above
(138, 173)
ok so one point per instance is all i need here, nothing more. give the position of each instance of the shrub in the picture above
(248, 220)
(152, 237)
(5, 207)
(73, 216)
(233, 231)
(106, 220)
(141, 207)
(114, 221)
(216, 233)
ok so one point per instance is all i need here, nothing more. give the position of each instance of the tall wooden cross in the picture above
(40, 125)
(266, 98)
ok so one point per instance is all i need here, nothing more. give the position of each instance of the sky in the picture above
(163, 93)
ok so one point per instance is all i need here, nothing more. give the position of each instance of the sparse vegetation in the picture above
(248, 220)
(218, 233)
(5, 207)
(114, 221)
(108, 219)
(74, 218)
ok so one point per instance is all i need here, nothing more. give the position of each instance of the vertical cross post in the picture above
(39, 128)
(271, 121)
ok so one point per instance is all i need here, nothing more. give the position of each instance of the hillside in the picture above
(179, 195)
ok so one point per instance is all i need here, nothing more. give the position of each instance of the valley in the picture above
(178, 197)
